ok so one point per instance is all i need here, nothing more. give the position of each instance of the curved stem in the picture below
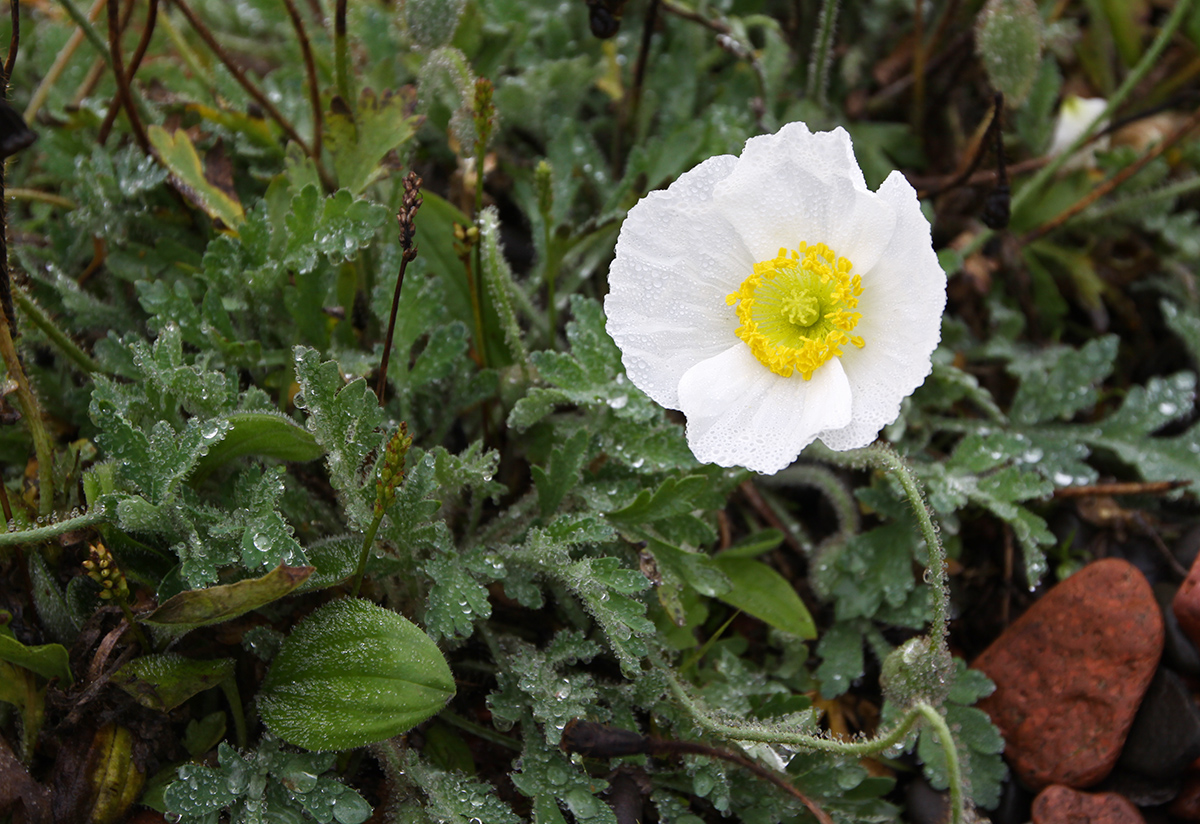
(884, 457)
(45, 533)
(34, 314)
(310, 69)
(953, 770)
(32, 414)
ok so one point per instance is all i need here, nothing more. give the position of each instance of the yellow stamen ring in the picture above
(796, 309)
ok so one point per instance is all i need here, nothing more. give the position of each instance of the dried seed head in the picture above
(406, 217)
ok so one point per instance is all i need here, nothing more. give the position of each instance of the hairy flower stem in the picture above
(368, 542)
(822, 54)
(45, 533)
(870, 746)
(884, 457)
(34, 314)
(31, 413)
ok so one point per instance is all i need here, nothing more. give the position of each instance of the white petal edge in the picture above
(677, 258)
(807, 188)
(903, 298)
(739, 413)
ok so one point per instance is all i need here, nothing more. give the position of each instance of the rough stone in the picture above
(1179, 653)
(1070, 674)
(1062, 805)
(1186, 605)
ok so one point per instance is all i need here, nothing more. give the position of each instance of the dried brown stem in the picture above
(14, 42)
(1113, 182)
(251, 88)
(310, 68)
(1120, 488)
(118, 67)
(134, 64)
(599, 741)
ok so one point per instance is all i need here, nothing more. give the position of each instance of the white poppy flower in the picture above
(774, 299)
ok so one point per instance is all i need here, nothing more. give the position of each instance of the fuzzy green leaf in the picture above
(165, 681)
(351, 674)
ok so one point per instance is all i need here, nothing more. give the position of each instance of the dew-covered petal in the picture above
(739, 413)
(901, 305)
(677, 258)
(805, 187)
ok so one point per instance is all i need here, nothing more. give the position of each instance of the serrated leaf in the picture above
(1061, 381)
(561, 472)
(841, 652)
(165, 681)
(269, 434)
(179, 156)
(674, 496)
(347, 423)
(352, 674)
(537, 404)
(1186, 326)
(335, 227)
(359, 141)
(201, 607)
(457, 601)
(760, 591)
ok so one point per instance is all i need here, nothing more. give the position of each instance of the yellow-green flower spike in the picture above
(797, 308)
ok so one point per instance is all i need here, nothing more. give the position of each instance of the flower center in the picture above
(797, 309)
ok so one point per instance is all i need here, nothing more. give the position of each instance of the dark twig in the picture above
(599, 741)
(408, 233)
(1113, 182)
(14, 42)
(980, 147)
(251, 89)
(310, 67)
(135, 63)
(1121, 488)
(639, 70)
(118, 67)
(341, 58)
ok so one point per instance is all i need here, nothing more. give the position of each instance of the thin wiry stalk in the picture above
(310, 68)
(134, 64)
(117, 61)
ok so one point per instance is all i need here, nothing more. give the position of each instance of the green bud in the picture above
(543, 180)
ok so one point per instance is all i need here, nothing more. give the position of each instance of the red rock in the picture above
(1071, 672)
(1186, 604)
(1061, 805)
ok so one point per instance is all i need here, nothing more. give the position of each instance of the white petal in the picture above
(740, 413)
(796, 186)
(677, 258)
(902, 302)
